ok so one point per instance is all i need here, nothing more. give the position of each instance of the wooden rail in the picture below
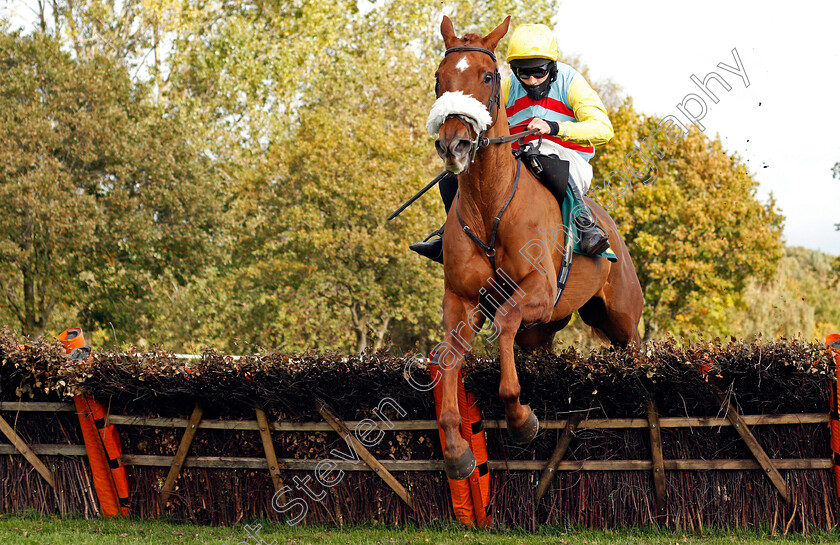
(232, 462)
(374, 464)
(274, 466)
(419, 425)
(181, 455)
(657, 462)
(742, 428)
(557, 456)
(293, 464)
(22, 448)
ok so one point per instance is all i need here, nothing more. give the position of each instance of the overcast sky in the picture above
(786, 120)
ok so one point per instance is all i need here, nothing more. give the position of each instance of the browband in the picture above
(470, 48)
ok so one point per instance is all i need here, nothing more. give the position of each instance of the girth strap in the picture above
(489, 248)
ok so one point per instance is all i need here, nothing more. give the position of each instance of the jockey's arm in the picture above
(593, 126)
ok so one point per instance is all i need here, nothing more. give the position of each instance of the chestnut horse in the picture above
(504, 246)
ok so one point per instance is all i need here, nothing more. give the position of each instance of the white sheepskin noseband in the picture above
(457, 103)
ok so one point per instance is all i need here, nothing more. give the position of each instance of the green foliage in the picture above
(104, 200)
(355, 154)
(243, 66)
(696, 233)
(200, 173)
(800, 299)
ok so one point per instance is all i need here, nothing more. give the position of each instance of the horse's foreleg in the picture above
(459, 322)
(522, 425)
(535, 305)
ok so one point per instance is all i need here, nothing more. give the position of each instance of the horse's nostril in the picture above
(439, 148)
(461, 148)
(452, 148)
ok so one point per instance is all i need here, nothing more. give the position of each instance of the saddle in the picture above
(550, 170)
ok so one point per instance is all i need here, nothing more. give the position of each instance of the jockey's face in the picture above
(533, 75)
(533, 80)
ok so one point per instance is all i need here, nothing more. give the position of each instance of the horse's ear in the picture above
(447, 30)
(492, 39)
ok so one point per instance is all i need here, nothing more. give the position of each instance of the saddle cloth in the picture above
(553, 173)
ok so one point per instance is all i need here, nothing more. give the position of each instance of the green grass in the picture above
(36, 529)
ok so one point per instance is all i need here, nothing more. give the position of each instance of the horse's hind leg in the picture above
(616, 309)
(541, 336)
(619, 326)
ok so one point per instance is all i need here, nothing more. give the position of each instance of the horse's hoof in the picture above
(525, 433)
(461, 467)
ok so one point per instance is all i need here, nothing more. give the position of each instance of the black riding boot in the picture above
(433, 249)
(593, 238)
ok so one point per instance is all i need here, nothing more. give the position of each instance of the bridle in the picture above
(481, 141)
(492, 102)
(489, 248)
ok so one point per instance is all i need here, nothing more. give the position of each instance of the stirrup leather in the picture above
(436, 232)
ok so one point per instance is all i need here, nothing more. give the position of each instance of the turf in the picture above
(36, 529)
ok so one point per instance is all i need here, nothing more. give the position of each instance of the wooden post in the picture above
(752, 443)
(551, 467)
(181, 455)
(658, 461)
(363, 453)
(270, 456)
(24, 449)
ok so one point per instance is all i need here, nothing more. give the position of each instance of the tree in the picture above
(130, 33)
(800, 299)
(103, 197)
(341, 185)
(695, 230)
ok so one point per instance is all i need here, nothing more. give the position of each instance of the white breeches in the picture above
(580, 171)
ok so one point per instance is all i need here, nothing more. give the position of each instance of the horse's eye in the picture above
(488, 77)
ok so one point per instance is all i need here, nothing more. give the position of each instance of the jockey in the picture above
(554, 98)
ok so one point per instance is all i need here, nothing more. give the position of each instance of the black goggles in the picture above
(537, 72)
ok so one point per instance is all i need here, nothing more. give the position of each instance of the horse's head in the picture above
(468, 89)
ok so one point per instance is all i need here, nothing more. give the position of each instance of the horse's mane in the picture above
(470, 37)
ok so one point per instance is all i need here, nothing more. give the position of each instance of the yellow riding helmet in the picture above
(533, 41)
